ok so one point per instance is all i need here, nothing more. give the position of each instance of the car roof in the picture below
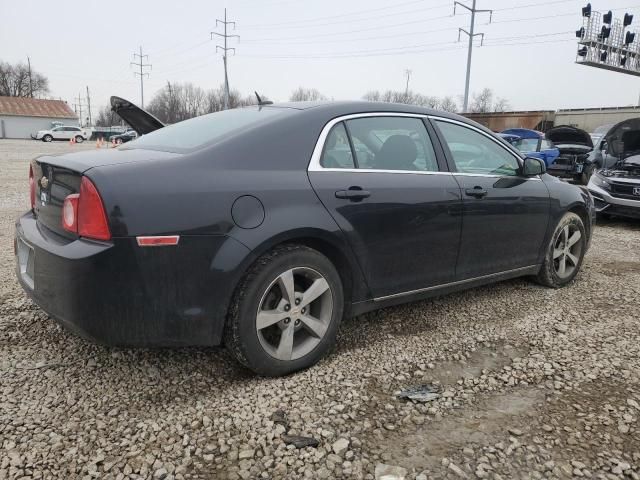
(523, 132)
(340, 107)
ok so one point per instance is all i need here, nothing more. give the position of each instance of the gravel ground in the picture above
(535, 383)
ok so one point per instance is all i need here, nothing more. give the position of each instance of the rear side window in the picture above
(206, 129)
(474, 152)
(337, 151)
(392, 143)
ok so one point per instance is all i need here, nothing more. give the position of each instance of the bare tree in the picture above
(448, 104)
(106, 118)
(482, 101)
(501, 105)
(16, 81)
(302, 94)
(372, 96)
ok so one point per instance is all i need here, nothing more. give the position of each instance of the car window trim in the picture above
(316, 156)
(451, 163)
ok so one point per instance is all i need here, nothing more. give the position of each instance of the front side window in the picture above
(473, 152)
(526, 144)
(337, 151)
(547, 145)
(392, 143)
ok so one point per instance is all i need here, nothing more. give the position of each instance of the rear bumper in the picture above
(117, 293)
(606, 203)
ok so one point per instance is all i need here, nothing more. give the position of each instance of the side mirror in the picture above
(533, 166)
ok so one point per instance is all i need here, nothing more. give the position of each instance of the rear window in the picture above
(196, 132)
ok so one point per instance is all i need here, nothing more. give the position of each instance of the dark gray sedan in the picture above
(263, 227)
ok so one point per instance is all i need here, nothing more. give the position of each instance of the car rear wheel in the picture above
(79, 139)
(47, 138)
(565, 252)
(286, 311)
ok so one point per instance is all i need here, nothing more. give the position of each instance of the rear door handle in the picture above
(476, 191)
(353, 194)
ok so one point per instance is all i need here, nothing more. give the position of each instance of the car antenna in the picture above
(262, 102)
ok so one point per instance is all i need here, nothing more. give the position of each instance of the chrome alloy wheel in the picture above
(294, 313)
(567, 249)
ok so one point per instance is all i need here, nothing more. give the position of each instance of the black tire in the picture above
(79, 139)
(549, 275)
(586, 174)
(47, 138)
(118, 141)
(242, 338)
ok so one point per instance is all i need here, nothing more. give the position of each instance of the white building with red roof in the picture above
(21, 117)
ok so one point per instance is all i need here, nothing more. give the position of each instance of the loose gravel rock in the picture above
(536, 383)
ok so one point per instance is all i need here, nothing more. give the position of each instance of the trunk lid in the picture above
(140, 120)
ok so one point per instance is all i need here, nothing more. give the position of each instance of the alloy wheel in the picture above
(567, 249)
(294, 313)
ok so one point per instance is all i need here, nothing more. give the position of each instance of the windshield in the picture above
(204, 130)
(526, 144)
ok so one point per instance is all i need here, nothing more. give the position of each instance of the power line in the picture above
(471, 34)
(225, 51)
(89, 105)
(303, 24)
(142, 73)
(77, 107)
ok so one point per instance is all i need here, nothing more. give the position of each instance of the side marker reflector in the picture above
(158, 241)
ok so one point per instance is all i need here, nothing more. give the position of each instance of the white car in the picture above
(62, 133)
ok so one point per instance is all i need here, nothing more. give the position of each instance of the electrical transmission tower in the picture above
(77, 107)
(225, 49)
(142, 73)
(471, 34)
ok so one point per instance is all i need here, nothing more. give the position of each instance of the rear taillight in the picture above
(84, 213)
(32, 188)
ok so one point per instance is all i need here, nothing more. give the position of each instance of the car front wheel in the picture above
(79, 139)
(286, 311)
(47, 138)
(565, 252)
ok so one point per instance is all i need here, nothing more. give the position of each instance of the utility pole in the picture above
(408, 73)
(89, 106)
(471, 34)
(30, 78)
(225, 51)
(142, 73)
(77, 107)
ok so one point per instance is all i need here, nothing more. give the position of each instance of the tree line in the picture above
(19, 80)
(180, 101)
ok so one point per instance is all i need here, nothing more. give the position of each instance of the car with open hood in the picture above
(616, 187)
(575, 146)
(261, 228)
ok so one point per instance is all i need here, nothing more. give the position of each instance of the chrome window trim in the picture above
(314, 163)
(315, 166)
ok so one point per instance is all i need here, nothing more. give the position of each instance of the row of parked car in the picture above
(607, 161)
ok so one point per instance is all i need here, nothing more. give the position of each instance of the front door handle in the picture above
(353, 193)
(476, 191)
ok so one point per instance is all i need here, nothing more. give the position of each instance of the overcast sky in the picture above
(342, 48)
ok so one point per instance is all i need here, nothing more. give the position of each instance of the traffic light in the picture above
(580, 33)
(628, 18)
(586, 11)
(607, 17)
(582, 52)
(629, 37)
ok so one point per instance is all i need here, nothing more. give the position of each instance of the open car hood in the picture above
(567, 135)
(141, 121)
(623, 139)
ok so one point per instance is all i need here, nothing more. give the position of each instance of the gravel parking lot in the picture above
(534, 383)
